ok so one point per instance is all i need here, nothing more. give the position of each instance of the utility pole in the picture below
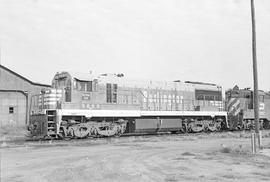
(255, 73)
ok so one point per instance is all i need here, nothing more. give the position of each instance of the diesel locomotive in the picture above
(85, 105)
(239, 105)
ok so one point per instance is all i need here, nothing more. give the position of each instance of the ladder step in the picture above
(51, 133)
(51, 115)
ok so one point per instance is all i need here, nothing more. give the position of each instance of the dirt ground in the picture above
(193, 157)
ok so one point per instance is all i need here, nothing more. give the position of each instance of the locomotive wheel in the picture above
(218, 126)
(70, 132)
(185, 128)
(91, 132)
(194, 127)
(61, 134)
(81, 132)
(212, 127)
(249, 126)
(95, 132)
(239, 127)
(118, 132)
(266, 124)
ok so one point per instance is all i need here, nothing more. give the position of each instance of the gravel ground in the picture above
(193, 157)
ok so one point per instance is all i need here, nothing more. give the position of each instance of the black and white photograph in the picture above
(134, 90)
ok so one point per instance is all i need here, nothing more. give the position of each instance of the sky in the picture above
(195, 40)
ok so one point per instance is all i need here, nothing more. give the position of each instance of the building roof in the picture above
(23, 78)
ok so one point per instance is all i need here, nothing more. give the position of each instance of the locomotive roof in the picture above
(246, 91)
(121, 81)
(82, 76)
(76, 75)
(180, 85)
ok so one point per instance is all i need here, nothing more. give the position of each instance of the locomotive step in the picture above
(51, 133)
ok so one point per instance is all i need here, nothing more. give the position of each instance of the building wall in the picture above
(16, 91)
(12, 108)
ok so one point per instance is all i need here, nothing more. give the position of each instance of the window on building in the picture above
(11, 110)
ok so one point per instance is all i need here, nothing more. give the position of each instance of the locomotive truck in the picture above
(84, 105)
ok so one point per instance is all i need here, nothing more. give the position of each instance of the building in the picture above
(15, 97)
